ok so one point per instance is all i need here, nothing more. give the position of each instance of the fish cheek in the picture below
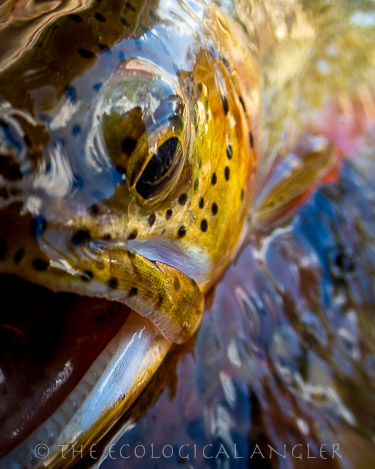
(20, 252)
(171, 300)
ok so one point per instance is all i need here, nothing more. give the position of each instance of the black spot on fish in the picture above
(80, 236)
(182, 199)
(124, 22)
(27, 140)
(19, 255)
(242, 194)
(13, 173)
(128, 145)
(3, 248)
(177, 284)
(94, 209)
(226, 63)
(344, 263)
(213, 179)
(227, 173)
(86, 54)
(121, 169)
(133, 291)
(213, 52)
(99, 17)
(38, 226)
(176, 70)
(76, 129)
(154, 16)
(159, 301)
(181, 231)
(168, 214)
(107, 237)
(104, 47)
(87, 276)
(229, 152)
(40, 264)
(130, 7)
(71, 94)
(75, 18)
(113, 283)
(242, 103)
(251, 140)
(201, 202)
(214, 208)
(204, 225)
(225, 104)
(200, 87)
(133, 234)
(151, 219)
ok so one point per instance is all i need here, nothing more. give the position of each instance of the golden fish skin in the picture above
(127, 156)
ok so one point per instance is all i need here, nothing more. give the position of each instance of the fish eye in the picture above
(160, 169)
(145, 129)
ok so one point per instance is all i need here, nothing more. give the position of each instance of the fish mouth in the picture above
(70, 366)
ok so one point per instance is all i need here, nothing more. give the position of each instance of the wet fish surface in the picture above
(142, 144)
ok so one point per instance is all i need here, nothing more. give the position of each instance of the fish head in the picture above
(127, 165)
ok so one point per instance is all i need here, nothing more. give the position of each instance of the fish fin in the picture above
(317, 101)
(292, 178)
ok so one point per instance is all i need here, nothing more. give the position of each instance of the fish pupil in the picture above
(160, 169)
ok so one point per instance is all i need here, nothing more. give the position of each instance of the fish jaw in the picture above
(166, 296)
(104, 393)
(74, 254)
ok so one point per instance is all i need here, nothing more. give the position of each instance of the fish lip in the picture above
(145, 332)
(111, 392)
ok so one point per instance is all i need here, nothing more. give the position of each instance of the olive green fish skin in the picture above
(127, 157)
